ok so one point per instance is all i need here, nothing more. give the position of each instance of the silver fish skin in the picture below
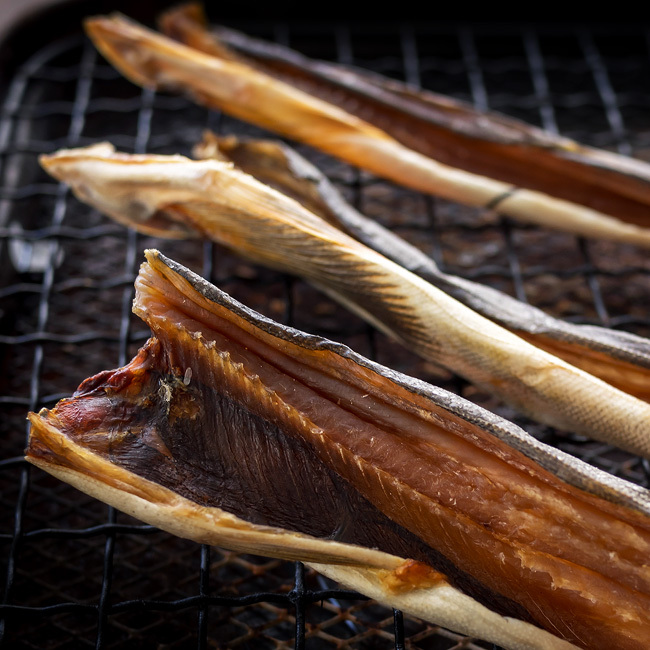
(212, 199)
(619, 358)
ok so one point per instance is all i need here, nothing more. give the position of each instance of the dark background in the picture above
(65, 16)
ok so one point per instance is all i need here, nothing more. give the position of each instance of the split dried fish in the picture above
(176, 196)
(450, 131)
(619, 358)
(153, 60)
(230, 429)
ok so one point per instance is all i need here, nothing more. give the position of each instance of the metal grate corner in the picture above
(74, 573)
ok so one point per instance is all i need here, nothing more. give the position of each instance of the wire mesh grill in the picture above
(76, 573)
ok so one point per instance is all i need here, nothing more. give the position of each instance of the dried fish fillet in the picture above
(619, 358)
(231, 429)
(452, 132)
(213, 199)
(153, 60)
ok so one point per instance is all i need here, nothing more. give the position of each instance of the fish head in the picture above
(120, 39)
(104, 178)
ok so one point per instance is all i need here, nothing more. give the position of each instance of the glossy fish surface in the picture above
(231, 429)
(450, 131)
(212, 199)
(619, 358)
(153, 60)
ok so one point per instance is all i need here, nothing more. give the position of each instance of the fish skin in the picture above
(224, 204)
(451, 131)
(156, 61)
(619, 358)
(56, 449)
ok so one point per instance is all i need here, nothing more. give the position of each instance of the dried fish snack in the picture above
(451, 131)
(617, 357)
(150, 59)
(226, 425)
(178, 197)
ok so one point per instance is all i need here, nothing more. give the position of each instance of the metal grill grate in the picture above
(76, 573)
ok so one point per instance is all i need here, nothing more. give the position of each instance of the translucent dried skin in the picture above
(619, 358)
(210, 198)
(230, 410)
(153, 60)
(452, 132)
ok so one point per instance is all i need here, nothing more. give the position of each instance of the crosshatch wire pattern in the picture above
(75, 573)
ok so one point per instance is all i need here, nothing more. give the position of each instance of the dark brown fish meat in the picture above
(231, 429)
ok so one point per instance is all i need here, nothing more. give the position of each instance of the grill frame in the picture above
(43, 244)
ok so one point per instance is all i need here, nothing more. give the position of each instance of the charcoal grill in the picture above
(75, 573)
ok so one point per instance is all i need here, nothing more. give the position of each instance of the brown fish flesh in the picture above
(231, 429)
(174, 195)
(450, 131)
(224, 82)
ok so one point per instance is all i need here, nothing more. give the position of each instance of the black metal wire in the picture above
(76, 126)
(472, 68)
(192, 601)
